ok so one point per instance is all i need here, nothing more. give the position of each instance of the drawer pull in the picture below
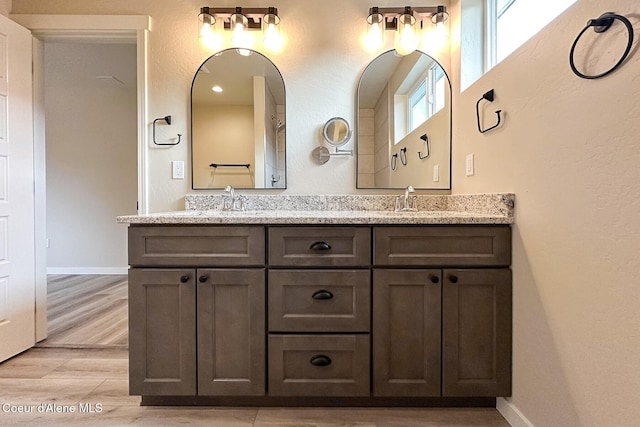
(434, 279)
(184, 279)
(322, 294)
(453, 278)
(203, 278)
(320, 360)
(320, 246)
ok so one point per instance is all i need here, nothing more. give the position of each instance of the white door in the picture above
(17, 277)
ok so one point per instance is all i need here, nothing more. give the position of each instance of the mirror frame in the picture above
(333, 121)
(357, 126)
(284, 91)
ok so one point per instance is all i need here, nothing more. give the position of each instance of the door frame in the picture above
(87, 28)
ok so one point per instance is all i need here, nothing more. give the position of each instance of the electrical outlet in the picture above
(47, 243)
(436, 173)
(470, 168)
(178, 169)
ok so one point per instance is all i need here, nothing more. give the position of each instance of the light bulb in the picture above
(209, 37)
(375, 30)
(271, 31)
(239, 36)
(406, 40)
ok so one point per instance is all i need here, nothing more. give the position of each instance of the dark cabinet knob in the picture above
(322, 294)
(203, 278)
(184, 279)
(320, 246)
(453, 278)
(434, 279)
(320, 360)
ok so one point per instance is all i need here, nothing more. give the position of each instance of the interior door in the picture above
(17, 277)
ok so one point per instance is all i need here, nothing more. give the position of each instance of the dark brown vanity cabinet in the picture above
(302, 312)
(415, 300)
(196, 331)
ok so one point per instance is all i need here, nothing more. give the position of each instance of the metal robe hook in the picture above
(425, 138)
(489, 96)
(166, 119)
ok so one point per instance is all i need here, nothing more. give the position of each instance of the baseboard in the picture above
(512, 414)
(87, 270)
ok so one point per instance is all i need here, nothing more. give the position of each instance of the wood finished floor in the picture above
(74, 377)
(86, 311)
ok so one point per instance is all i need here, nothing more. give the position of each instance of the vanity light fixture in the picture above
(240, 22)
(404, 21)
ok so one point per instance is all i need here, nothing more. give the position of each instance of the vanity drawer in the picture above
(188, 246)
(319, 365)
(319, 300)
(442, 246)
(319, 246)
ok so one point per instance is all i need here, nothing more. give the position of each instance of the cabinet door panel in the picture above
(477, 333)
(406, 332)
(231, 332)
(162, 332)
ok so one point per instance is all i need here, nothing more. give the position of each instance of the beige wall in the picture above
(321, 63)
(5, 7)
(91, 155)
(569, 150)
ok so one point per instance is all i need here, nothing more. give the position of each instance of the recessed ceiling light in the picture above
(216, 89)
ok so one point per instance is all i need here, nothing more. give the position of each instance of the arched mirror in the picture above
(238, 133)
(403, 123)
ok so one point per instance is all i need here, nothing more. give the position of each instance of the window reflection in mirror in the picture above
(238, 119)
(404, 102)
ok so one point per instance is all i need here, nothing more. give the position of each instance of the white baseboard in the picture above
(512, 414)
(87, 270)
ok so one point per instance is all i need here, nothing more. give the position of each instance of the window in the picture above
(427, 98)
(493, 29)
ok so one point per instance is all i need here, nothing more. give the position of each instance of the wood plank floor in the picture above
(75, 378)
(86, 311)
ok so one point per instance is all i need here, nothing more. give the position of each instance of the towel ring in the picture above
(602, 24)
(403, 159)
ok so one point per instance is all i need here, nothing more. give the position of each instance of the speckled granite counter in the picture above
(268, 209)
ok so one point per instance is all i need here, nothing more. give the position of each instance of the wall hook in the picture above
(403, 156)
(166, 119)
(425, 138)
(489, 96)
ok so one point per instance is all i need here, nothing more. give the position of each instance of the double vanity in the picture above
(322, 300)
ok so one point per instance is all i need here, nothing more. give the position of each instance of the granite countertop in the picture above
(294, 210)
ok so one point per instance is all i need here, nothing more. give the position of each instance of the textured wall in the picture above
(569, 150)
(321, 64)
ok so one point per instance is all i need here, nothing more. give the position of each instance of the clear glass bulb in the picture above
(406, 40)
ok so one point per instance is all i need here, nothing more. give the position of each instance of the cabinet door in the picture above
(231, 332)
(406, 332)
(162, 332)
(476, 332)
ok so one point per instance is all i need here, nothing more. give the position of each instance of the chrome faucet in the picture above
(231, 201)
(406, 203)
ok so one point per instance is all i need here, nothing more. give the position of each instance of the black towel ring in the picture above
(394, 161)
(602, 24)
(403, 159)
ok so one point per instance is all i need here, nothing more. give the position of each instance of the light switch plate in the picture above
(177, 167)
(470, 169)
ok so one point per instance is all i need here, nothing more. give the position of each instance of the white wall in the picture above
(569, 149)
(91, 154)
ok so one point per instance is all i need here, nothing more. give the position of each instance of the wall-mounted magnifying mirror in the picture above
(336, 132)
(403, 106)
(238, 122)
